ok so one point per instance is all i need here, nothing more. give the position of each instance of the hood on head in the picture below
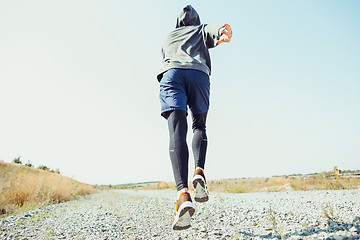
(188, 17)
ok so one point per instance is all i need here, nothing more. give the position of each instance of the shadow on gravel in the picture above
(350, 229)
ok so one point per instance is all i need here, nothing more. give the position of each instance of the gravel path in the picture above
(147, 215)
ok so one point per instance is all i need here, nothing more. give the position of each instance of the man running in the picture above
(184, 81)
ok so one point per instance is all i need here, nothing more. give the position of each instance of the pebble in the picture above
(129, 214)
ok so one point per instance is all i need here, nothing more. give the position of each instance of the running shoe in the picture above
(184, 211)
(200, 187)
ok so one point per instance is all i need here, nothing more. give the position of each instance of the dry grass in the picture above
(273, 184)
(23, 188)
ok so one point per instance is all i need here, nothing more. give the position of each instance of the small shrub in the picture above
(43, 167)
(17, 160)
(29, 164)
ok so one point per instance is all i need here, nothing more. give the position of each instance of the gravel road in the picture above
(131, 214)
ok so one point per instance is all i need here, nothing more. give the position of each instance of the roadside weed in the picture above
(328, 212)
(276, 227)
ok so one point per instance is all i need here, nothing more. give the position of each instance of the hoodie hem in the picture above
(199, 67)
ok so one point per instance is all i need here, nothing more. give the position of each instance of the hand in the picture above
(226, 34)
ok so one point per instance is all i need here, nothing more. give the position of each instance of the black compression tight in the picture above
(179, 153)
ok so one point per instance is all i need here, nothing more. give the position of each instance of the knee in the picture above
(199, 122)
(198, 127)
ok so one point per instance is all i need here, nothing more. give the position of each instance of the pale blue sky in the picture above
(78, 87)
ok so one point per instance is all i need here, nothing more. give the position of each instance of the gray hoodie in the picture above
(187, 46)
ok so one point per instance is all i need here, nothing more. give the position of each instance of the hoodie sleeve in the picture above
(212, 33)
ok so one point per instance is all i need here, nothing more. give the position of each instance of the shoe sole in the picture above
(201, 194)
(182, 220)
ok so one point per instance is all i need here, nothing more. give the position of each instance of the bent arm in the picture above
(212, 34)
(216, 34)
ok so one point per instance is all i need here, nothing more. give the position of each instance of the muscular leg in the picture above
(179, 153)
(199, 142)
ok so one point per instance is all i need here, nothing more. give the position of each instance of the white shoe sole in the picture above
(182, 218)
(201, 193)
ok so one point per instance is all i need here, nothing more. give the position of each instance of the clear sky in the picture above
(78, 87)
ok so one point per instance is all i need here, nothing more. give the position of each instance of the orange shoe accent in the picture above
(181, 194)
(202, 171)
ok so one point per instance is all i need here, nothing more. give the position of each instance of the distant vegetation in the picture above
(29, 164)
(24, 187)
(333, 180)
(154, 185)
